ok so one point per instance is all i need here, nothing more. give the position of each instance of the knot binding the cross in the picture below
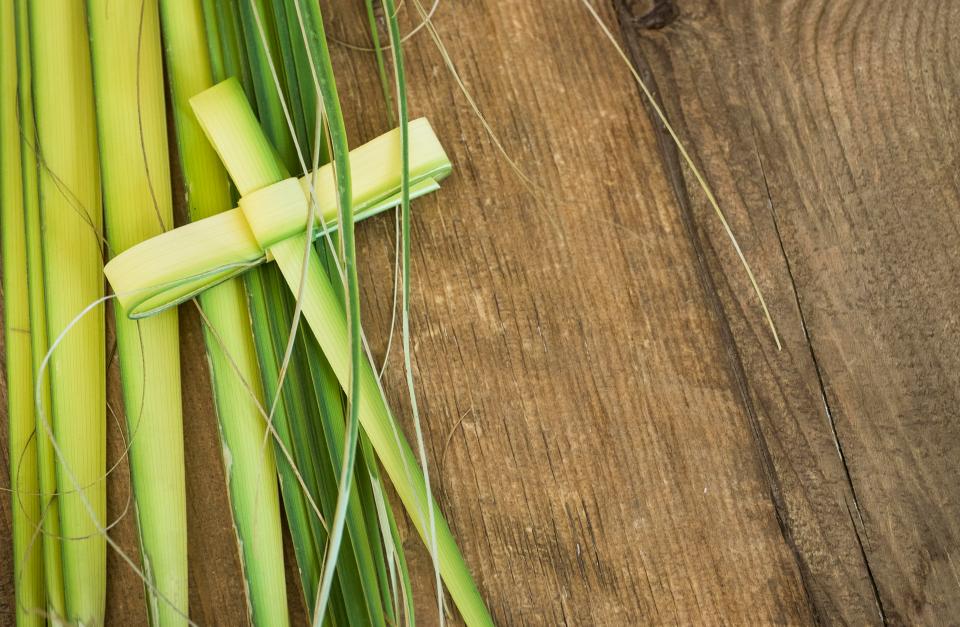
(261, 207)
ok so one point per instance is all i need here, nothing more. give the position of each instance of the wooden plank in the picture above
(824, 127)
(604, 470)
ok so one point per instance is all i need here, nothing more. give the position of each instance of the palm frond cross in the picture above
(270, 223)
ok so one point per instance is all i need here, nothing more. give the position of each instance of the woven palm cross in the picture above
(270, 224)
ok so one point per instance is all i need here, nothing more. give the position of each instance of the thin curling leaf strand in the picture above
(693, 168)
(315, 42)
(401, 89)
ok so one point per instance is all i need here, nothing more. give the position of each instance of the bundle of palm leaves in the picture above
(273, 191)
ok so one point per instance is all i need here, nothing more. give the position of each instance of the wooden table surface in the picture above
(617, 438)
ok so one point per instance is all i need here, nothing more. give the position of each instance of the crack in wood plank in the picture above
(823, 391)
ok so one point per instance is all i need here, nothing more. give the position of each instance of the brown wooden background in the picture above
(618, 438)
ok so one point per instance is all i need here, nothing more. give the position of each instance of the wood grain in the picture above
(603, 471)
(613, 436)
(824, 127)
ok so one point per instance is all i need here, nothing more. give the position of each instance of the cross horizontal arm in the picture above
(177, 265)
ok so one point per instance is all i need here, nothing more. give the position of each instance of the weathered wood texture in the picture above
(616, 438)
(826, 129)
